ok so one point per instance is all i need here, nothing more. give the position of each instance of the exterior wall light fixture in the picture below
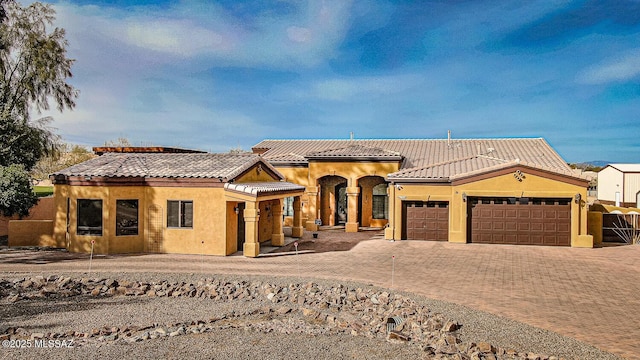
(578, 197)
(464, 197)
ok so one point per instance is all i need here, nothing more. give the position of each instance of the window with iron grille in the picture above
(89, 217)
(180, 213)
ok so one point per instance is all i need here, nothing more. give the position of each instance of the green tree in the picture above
(34, 69)
(33, 61)
(119, 142)
(68, 155)
(16, 196)
(26, 143)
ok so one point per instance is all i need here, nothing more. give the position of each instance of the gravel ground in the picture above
(86, 313)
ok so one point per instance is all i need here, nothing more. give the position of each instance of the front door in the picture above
(341, 204)
(240, 227)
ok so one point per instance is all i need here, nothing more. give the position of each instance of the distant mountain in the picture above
(595, 165)
(600, 163)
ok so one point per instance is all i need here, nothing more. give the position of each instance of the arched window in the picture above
(380, 202)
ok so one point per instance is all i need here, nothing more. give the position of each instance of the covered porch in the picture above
(254, 214)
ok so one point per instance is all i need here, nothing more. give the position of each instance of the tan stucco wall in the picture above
(73, 242)
(127, 243)
(352, 171)
(208, 236)
(256, 174)
(31, 233)
(266, 220)
(317, 206)
(43, 210)
(594, 227)
(501, 186)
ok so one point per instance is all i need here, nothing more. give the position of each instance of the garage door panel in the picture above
(510, 225)
(510, 214)
(537, 227)
(523, 239)
(510, 239)
(537, 239)
(537, 214)
(526, 221)
(426, 221)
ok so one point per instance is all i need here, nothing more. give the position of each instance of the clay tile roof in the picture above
(432, 158)
(258, 188)
(355, 151)
(158, 165)
(449, 169)
(287, 158)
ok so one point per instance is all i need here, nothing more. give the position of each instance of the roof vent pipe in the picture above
(449, 138)
(351, 135)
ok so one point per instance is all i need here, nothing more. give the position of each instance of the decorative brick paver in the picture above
(592, 295)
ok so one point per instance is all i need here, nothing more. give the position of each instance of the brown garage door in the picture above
(520, 221)
(426, 220)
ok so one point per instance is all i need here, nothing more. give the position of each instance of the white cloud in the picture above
(615, 70)
(178, 123)
(345, 89)
(171, 37)
(306, 38)
(299, 34)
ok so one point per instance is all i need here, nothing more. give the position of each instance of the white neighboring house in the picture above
(619, 185)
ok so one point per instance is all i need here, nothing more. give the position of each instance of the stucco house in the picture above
(504, 191)
(167, 201)
(619, 185)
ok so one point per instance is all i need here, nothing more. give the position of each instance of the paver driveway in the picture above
(589, 294)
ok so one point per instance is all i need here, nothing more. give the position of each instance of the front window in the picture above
(89, 217)
(126, 217)
(380, 202)
(288, 206)
(180, 213)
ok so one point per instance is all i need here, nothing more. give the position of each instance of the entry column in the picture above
(297, 231)
(312, 212)
(277, 235)
(353, 193)
(251, 217)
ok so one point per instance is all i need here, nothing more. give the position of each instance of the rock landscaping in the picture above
(288, 308)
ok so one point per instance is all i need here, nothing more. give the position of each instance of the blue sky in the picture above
(227, 74)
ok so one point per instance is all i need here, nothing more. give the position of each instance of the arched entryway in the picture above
(333, 200)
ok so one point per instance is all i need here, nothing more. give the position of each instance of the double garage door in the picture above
(520, 221)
